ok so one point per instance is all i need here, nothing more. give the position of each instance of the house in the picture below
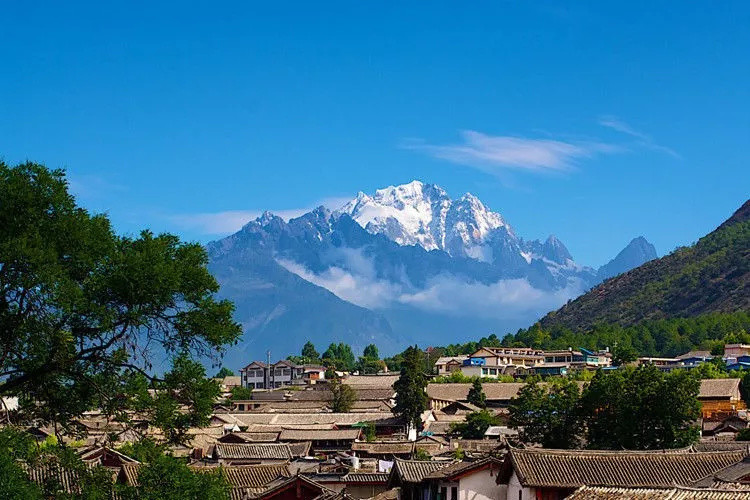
(445, 365)
(720, 397)
(465, 481)
(736, 350)
(323, 441)
(694, 358)
(725, 429)
(279, 374)
(409, 475)
(498, 394)
(252, 453)
(356, 484)
(296, 487)
(554, 474)
(383, 450)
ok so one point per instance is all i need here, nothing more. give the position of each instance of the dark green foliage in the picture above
(224, 372)
(411, 398)
(711, 276)
(16, 445)
(371, 351)
(743, 435)
(343, 396)
(475, 426)
(369, 432)
(81, 307)
(549, 414)
(340, 356)
(421, 454)
(630, 408)
(309, 352)
(745, 386)
(15, 483)
(623, 353)
(145, 451)
(641, 409)
(241, 393)
(168, 478)
(476, 395)
(185, 386)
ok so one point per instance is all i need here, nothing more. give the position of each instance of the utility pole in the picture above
(268, 370)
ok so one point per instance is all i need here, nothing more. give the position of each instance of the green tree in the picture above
(340, 356)
(475, 426)
(224, 372)
(309, 354)
(168, 478)
(476, 396)
(411, 398)
(623, 353)
(241, 394)
(641, 409)
(548, 414)
(743, 435)
(745, 385)
(185, 386)
(16, 446)
(343, 396)
(81, 308)
(371, 351)
(145, 450)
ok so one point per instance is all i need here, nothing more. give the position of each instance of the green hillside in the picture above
(711, 276)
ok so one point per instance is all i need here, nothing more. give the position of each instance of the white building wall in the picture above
(480, 486)
(515, 487)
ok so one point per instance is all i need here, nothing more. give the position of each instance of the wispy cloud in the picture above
(496, 154)
(231, 221)
(445, 294)
(644, 140)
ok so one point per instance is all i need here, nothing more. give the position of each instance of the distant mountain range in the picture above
(405, 264)
(713, 275)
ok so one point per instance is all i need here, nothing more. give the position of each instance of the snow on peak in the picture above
(423, 214)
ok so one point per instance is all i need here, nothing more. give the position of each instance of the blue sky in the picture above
(595, 121)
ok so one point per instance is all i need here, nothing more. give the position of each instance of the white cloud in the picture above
(358, 289)
(644, 140)
(494, 154)
(231, 221)
(444, 294)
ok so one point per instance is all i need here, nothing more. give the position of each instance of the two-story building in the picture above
(259, 375)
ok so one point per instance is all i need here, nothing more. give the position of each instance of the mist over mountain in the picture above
(405, 264)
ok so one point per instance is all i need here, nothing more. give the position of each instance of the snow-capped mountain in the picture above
(423, 214)
(405, 264)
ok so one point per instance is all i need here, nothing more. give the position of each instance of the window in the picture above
(520, 494)
(454, 493)
(443, 493)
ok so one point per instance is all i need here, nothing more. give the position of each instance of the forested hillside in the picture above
(711, 276)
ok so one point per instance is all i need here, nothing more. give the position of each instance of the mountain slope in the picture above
(636, 253)
(280, 311)
(712, 275)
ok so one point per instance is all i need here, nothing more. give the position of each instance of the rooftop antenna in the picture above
(268, 370)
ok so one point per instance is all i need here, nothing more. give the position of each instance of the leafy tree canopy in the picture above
(83, 310)
(340, 356)
(343, 396)
(411, 398)
(224, 372)
(475, 426)
(476, 395)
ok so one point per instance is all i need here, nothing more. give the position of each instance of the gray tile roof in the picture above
(319, 435)
(414, 471)
(648, 469)
(265, 451)
(610, 493)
